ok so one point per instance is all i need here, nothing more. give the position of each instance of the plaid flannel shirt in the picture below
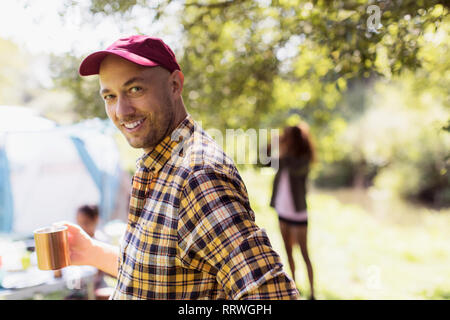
(191, 232)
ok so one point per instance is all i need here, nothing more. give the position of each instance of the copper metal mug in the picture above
(52, 247)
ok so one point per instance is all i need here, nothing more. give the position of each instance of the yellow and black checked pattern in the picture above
(191, 232)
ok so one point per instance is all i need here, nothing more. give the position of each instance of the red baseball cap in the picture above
(143, 50)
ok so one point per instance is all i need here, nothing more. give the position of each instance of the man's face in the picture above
(137, 99)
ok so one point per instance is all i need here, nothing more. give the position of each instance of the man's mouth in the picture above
(133, 126)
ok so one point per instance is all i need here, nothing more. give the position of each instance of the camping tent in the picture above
(47, 171)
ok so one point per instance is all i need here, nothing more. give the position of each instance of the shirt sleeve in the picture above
(218, 235)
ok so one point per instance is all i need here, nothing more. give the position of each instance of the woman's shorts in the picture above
(292, 222)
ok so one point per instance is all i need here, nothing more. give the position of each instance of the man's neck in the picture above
(180, 115)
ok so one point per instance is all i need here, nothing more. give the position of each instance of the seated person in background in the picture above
(88, 218)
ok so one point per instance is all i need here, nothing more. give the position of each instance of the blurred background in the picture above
(376, 98)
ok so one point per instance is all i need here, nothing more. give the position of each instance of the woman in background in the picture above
(289, 193)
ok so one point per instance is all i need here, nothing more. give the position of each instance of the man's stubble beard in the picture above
(155, 137)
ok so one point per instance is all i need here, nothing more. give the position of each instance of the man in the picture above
(191, 232)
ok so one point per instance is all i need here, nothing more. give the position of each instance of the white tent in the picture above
(47, 171)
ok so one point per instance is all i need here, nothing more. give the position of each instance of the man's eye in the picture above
(108, 97)
(135, 89)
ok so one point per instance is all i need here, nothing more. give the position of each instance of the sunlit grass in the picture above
(357, 254)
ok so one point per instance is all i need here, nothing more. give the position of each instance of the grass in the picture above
(392, 251)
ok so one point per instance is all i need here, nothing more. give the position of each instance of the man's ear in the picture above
(177, 80)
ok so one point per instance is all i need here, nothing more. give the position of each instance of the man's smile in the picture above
(132, 126)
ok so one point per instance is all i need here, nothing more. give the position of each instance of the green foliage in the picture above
(86, 101)
(397, 144)
(447, 126)
(253, 63)
(420, 170)
(241, 45)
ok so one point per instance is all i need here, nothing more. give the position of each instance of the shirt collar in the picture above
(157, 158)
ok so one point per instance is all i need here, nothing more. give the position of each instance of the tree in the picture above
(86, 102)
(252, 63)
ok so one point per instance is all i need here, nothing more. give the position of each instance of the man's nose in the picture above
(124, 108)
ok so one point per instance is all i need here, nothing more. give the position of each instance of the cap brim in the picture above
(91, 64)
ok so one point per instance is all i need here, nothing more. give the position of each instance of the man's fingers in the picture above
(63, 223)
(73, 228)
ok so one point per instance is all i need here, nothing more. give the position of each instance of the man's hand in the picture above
(80, 244)
(87, 251)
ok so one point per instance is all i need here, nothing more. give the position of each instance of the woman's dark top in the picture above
(298, 168)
